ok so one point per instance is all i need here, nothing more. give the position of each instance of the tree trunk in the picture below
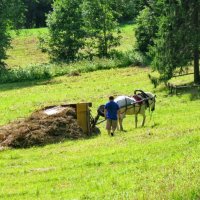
(196, 66)
(196, 43)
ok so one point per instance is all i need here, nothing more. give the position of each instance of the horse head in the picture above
(151, 99)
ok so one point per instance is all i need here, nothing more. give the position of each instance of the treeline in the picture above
(77, 28)
(167, 32)
(37, 10)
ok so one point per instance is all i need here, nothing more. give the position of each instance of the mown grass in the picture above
(159, 161)
(182, 80)
(128, 37)
(25, 48)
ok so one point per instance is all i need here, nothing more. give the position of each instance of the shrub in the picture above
(40, 72)
(25, 74)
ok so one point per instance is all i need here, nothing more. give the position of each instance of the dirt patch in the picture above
(42, 127)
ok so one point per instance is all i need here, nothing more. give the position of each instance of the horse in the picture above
(135, 105)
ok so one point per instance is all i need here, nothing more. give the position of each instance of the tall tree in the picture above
(101, 25)
(176, 42)
(66, 30)
(178, 38)
(146, 29)
(196, 41)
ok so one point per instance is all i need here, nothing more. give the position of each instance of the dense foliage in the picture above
(81, 29)
(127, 9)
(66, 30)
(36, 11)
(101, 25)
(169, 32)
(146, 30)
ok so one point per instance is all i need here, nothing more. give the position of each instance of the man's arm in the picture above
(105, 113)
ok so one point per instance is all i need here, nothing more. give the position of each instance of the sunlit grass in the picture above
(182, 80)
(128, 37)
(159, 161)
(25, 46)
(24, 33)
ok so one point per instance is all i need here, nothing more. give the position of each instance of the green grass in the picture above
(25, 49)
(159, 161)
(24, 33)
(25, 44)
(128, 37)
(182, 80)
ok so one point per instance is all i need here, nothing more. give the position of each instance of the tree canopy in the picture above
(170, 35)
(66, 30)
(101, 25)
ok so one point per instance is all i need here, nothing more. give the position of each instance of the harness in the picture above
(133, 106)
(140, 98)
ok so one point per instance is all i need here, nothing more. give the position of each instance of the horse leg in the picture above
(136, 121)
(143, 122)
(120, 123)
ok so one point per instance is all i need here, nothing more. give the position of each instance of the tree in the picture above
(66, 30)
(175, 42)
(11, 15)
(127, 9)
(101, 25)
(4, 36)
(146, 29)
(36, 11)
(196, 41)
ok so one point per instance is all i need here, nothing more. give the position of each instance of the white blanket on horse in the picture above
(124, 101)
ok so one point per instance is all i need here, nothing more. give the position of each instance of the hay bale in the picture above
(42, 127)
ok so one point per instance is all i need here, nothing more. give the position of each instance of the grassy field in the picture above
(25, 49)
(25, 45)
(159, 161)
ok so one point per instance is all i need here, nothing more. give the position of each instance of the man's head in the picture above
(111, 98)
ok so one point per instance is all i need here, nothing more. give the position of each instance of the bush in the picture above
(41, 72)
(66, 30)
(124, 59)
(25, 74)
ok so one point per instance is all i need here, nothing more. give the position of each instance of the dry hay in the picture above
(42, 127)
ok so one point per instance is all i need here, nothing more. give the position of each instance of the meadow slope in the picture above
(159, 161)
(25, 46)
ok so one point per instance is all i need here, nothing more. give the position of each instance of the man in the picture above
(111, 113)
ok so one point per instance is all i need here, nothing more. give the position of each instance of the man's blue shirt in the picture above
(112, 109)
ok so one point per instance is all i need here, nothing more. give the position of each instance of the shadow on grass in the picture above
(189, 88)
(27, 84)
(194, 92)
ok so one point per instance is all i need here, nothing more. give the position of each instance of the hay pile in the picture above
(42, 127)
